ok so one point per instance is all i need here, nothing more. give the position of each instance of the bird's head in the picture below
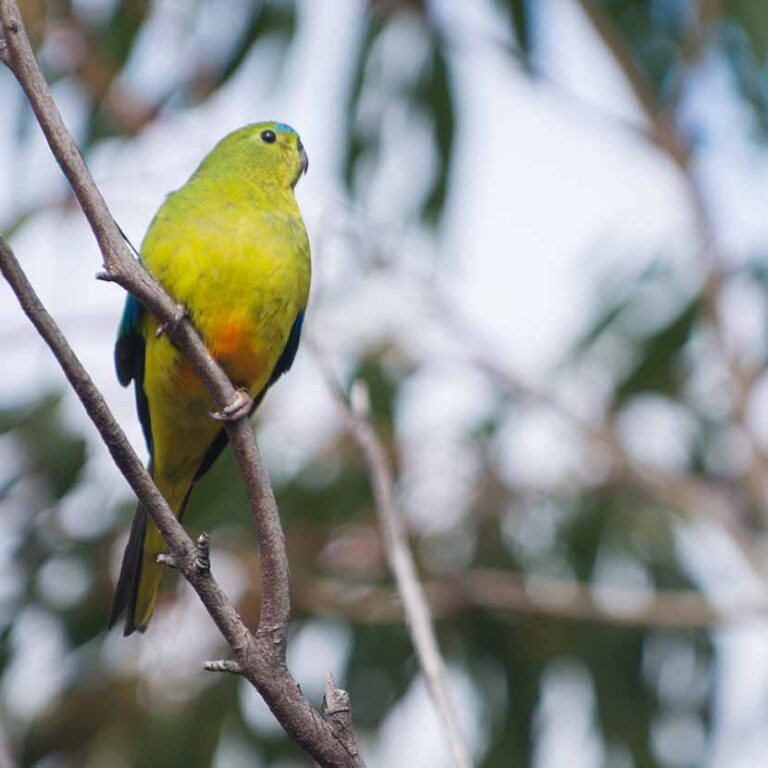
(269, 152)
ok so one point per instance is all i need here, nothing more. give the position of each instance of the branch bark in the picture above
(354, 413)
(261, 655)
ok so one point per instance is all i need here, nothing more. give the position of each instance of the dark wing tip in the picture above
(125, 356)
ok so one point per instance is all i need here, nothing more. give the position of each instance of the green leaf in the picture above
(358, 142)
(520, 14)
(746, 56)
(612, 307)
(659, 367)
(434, 93)
(429, 88)
(270, 18)
(653, 32)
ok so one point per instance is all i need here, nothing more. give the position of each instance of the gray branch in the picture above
(261, 655)
(354, 413)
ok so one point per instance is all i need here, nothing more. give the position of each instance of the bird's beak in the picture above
(304, 160)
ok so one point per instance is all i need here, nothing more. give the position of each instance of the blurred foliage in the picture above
(102, 711)
(49, 452)
(102, 714)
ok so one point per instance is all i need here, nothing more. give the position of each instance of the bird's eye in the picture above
(268, 136)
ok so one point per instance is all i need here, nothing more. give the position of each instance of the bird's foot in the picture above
(169, 327)
(203, 557)
(241, 406)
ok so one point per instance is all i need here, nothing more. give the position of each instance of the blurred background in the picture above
(539, 235)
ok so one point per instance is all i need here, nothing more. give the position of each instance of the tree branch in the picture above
(354, 413)
(510, 594)
(261, 655)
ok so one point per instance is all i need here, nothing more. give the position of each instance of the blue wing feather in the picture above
(128, 337)
(129, 361)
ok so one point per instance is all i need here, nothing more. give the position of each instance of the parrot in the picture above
(230, 247)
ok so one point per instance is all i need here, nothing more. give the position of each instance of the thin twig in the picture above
(354, 413)
(223, 665)
(122, 452)
(261, 655)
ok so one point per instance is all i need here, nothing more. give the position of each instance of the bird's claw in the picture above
(241, 406)
(169, 327)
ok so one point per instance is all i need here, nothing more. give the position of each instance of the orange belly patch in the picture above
(236, 349)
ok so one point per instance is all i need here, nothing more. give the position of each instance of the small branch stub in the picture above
(335, 700)
(223, 665)
(203, 558)
(337, 712)
(166, 560)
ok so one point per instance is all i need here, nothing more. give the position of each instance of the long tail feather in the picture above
(140, 574)
(130, 574)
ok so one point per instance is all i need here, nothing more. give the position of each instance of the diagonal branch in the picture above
(354, 413)
(261, 655)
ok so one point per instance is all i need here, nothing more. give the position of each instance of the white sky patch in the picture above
(411, 733)
(318, 649)
(537, 448)
(536, 188)
(39, 668)
(580, 64)
(565, 719)
(657, 431)
(739, 737)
